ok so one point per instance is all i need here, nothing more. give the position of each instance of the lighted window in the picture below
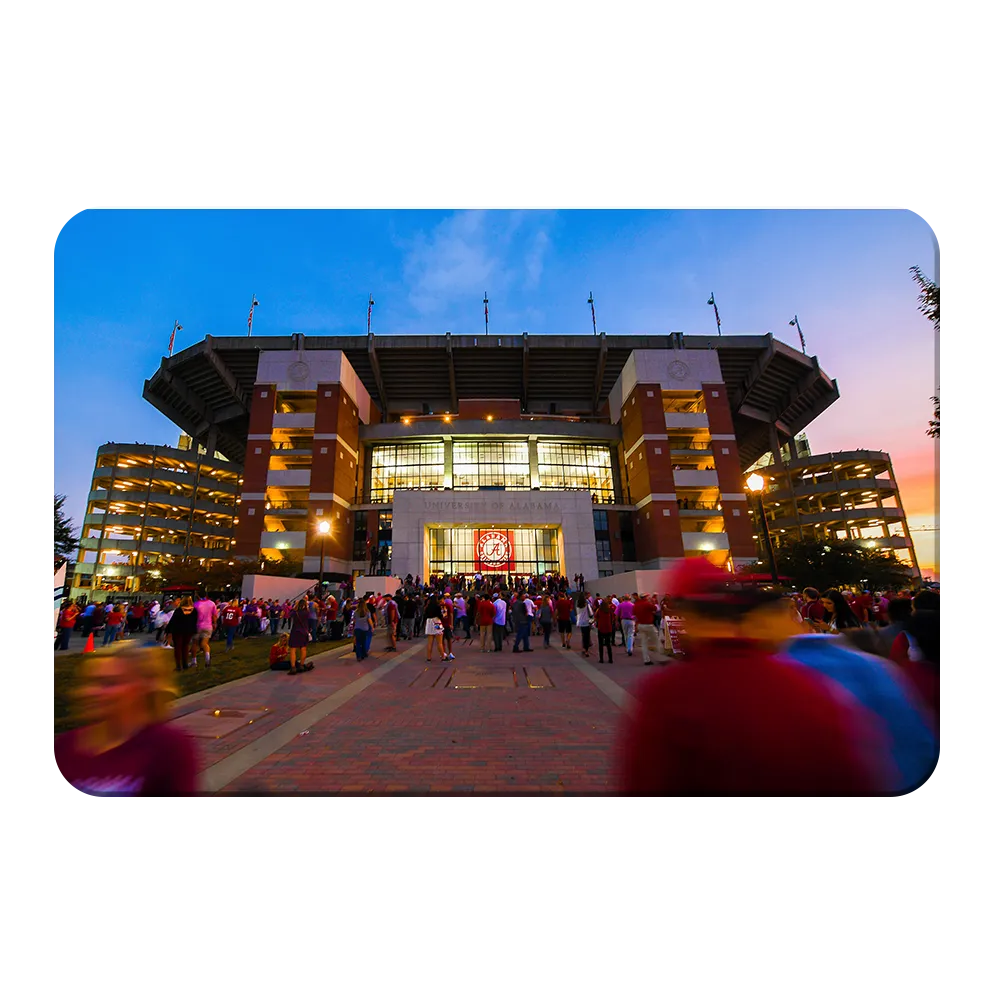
(574, 466)
(490, 464)
(412, 466)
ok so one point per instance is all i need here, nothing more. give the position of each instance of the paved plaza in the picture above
(544, 722)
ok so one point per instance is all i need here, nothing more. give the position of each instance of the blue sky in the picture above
(123, 277)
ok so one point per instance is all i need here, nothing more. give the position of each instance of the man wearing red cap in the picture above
(733, 718)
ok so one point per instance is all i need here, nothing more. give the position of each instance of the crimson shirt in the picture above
(644, 611)
(158, 760)
(731, 719)
(563, 608)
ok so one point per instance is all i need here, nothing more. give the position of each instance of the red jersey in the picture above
(605, 619)
(485, 612)
(733, 720)
(644, 611)
(813, 611)
(563, 608)
(67, 617)
(114, 618)
(231, 616)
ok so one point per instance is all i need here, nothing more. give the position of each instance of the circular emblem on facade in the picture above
(494, 548)
(678, 370)
(298, 371)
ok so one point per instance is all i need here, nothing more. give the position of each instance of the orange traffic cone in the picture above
(89, 648)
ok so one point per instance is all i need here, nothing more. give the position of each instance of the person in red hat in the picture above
(734, 718)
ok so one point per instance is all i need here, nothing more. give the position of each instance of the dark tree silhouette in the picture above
(930, 306)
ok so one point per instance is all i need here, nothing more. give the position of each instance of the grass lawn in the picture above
(249, 656)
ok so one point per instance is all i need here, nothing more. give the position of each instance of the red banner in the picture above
(494, 551)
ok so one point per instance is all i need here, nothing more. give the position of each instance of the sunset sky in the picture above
(123, 277)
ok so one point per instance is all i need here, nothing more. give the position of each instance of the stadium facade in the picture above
(577, 454)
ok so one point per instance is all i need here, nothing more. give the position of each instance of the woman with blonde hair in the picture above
(362, 629)
(125, 744)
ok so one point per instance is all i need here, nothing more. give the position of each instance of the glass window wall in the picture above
(571, 466)
(480, 465)
(412, 466)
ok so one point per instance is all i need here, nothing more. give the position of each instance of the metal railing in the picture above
(597, 496)
(700, 505)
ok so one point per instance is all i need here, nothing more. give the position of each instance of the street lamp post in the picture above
(755, 484)
(324, 530)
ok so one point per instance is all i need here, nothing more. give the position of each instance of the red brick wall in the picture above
(499, 409)
(333, 470)
(656, 535)
(248, 531)
(646, 472)
(262, 409)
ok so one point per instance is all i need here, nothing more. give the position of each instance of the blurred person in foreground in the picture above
(125, 744)
(858, 662)
(916, 650)
(734, 718)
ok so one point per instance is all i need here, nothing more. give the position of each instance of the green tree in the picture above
(66, 539)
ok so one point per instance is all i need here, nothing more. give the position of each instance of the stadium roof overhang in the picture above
(768, 383)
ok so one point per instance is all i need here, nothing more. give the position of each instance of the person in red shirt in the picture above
(564, 610)
(231, 617)
(112, 624)
(67, 622)
(812, 610)
(605, 619)
(485, 613)
(279, 655)
(126, 744)
(644, 610)
(734, 718)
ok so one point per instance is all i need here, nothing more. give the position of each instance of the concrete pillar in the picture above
(776, 447)
(533, 463)
(448, 459)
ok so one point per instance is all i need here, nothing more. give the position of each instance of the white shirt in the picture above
(529, 607)
(501, 617)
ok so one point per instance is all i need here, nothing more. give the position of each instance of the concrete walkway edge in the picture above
(230, 768)
(195, 696)
(618, 695)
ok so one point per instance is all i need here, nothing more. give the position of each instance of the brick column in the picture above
(334, 472)
(650, 476)
(732, 491)
(251, 525)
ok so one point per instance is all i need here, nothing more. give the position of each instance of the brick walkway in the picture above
(529, 723)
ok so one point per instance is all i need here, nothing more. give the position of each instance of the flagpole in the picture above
(593, 315)
(371, 302)
(718, 322)
(253, 302)
(486, 311)
(802, 339)
(170, 348)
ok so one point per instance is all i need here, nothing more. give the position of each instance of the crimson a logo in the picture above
(494, 548)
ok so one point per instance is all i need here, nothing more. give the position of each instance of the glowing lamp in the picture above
(755, 482)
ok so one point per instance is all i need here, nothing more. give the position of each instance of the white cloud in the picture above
(472, 252)
(533, 262)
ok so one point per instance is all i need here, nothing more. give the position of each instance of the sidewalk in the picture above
(544, 722)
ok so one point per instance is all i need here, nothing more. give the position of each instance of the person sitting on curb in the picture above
(279, 654)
